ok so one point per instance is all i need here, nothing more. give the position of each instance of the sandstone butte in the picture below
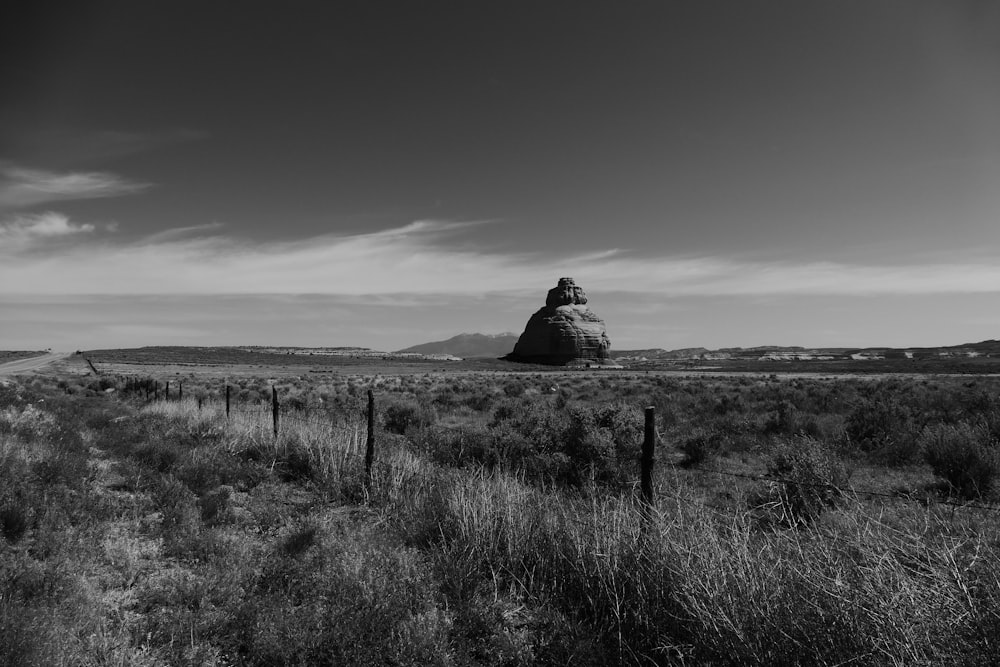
(564, 331)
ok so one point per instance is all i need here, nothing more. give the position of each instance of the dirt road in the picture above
(32, 364)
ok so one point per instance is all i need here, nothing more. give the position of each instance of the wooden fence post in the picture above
(370, 446)
(227, 401)
(274, 408)
(166, 390)
(180, 390)
(648, 454)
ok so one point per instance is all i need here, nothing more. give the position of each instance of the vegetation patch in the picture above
(499, 522)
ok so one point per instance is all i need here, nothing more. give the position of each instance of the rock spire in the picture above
(563, 331)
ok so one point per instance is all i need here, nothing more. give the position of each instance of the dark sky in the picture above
(761, 136)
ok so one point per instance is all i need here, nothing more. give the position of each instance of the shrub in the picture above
(590, 449)
(513, 388)
(343, 603)
(479, 400)
(459, 447)
(400, 417)
(811, 478)
(13, 523)
(66, 467)
(700, 448)
(783, 420)
(296, 462)
(159, 456)
(576, 446)
(299, 541)
(964, 456)
(216, 506)
(883, 428)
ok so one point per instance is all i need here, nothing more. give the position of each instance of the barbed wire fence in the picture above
(149, 390)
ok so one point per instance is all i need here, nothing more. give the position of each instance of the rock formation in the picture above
(565, 330)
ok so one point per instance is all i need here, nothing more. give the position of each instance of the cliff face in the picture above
(564, 330)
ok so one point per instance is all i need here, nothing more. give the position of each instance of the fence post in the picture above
(180, 390)
(227, 401)
(166, 390)
(648, 453)
(156, 390)
(274, 408)
(370, 446)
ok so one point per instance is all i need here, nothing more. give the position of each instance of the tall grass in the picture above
(906, 585)
(169, 534)
(911, 588)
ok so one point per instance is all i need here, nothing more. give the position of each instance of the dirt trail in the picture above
(32, 364)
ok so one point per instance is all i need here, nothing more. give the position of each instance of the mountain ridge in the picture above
(467, 345)
(472, 345)
(986, 348)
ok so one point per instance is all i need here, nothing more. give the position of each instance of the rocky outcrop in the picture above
(565, 330)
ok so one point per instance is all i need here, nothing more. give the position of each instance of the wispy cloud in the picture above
(181, 232)
(423, 258)
(22, 231)
(21, 187)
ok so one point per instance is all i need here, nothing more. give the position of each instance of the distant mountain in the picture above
(468, 345)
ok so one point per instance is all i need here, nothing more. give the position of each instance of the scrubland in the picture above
(797, 521)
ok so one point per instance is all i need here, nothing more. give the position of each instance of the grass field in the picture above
(244, 360)
(798, 520)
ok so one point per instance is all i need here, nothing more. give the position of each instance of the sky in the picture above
(720, 173)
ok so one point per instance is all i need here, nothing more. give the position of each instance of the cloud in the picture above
(422, 259)
(180, 232)
(23, 231)
(21, 187)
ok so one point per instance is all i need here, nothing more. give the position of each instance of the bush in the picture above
(700, 448)
(811, 478)
(964, 456)
(459, 447)
(13, 523)
(343, 602)
(159, 456)
(65, 467)
(298, 541)
(590, 449)
(480, 401)
(884, 429)
(783, 420)
(576, 447)
(400, 417)
(513, 388)
(216, 506)
(296, 462)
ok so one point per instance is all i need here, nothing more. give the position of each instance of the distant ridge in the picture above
(468, 345)
(986, 348)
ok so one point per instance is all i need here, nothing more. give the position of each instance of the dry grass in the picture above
(910, 588)
(166, 534)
